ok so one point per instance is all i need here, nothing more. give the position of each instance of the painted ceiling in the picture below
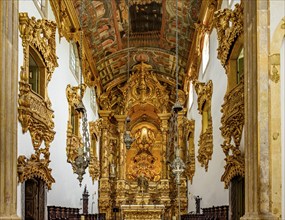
(150, 26)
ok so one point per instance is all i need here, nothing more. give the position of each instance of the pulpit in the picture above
(142, 212)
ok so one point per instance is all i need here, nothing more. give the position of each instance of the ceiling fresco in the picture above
(150, 26)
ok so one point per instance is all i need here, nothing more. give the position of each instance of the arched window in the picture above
(205, 52)
(74, 61)
(37, 73)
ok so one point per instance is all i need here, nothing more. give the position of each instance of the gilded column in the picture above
(122, 161)
(104, 184)
(164, 117)
(257, 167)
(8, 108)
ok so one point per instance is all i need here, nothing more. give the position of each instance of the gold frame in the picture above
(230, 39)
(35, 113)
(204, 92)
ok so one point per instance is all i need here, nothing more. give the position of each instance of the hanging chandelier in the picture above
(177, 165)
(128, 140)
(83, 157)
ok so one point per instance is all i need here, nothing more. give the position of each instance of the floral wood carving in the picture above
(35, 167)
(204, 92)
(229, 25)
(94, 165)
(41, 35)
(74, 140)
(232, 126)
(189, 127)
(35, 113)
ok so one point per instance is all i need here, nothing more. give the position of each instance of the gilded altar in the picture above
(147, 212)
(141, 176)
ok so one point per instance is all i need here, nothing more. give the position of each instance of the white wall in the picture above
(208, 184)
(277, 12)
(65, 191)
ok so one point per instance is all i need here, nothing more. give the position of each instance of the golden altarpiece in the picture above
(138, 180)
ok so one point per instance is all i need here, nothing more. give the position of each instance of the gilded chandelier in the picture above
(83, 158)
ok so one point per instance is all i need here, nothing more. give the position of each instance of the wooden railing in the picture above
(62, 213)
(213, 213)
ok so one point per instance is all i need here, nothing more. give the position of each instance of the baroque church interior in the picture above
(142, 109)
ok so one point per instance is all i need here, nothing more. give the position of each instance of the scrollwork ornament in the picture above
(204, 92)
(229, 25)
(34, 111)
(232, 127)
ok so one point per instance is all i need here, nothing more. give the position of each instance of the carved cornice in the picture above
(234, 165)
(41, 35)
(229, 25)
(35, 167)
(35, 113)
(232, 126)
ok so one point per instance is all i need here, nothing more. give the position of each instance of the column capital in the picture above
(104, 113)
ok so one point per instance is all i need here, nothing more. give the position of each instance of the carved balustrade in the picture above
(218, 212)
(61, 213)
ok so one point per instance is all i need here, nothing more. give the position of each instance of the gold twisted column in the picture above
(8, 109)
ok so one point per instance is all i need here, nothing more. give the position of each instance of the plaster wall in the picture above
(208, 185)
(66, 190)
(277, 12)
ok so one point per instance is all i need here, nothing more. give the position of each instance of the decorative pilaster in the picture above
(257, 167)
(104, 183)
(8, 109)
(122, 148)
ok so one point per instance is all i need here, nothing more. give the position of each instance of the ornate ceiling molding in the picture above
(229, 25)
(35, 113)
